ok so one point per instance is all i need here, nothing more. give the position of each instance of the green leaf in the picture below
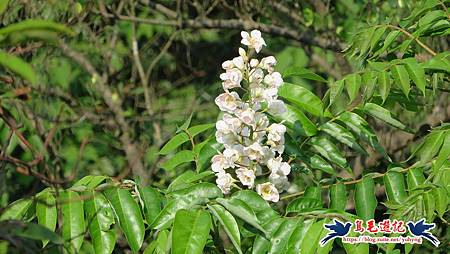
(34, 24)
(336, 90)
(208, 149)
(310, 242)
(251, 198)
(385, 84)
(128, 215)
(343, 135)
(18, 66)
(297, 236)
(260, 206)
(298, 121)
(190, 231)
(186, 124)
(165, 217)
(353, 83)
(73, 223)
(376, 37)
(100, 217)
(229, 224)
(181, 138)
(280, 238)
(384, 115)
(390, 38)
(365, 200)
(441, 199)
(90, 181)
(430, 18)
(366, 39)
(417, 73)
(444, 153)
(16, 210)
(439, 62)
(186, 179)
(431, 145)
(401, 78)
(152, 202)
(304, 204)
(395, 186)
(243, 211)
(360, 126)
(313, 191)
(317, 162)
(302, 97)
(3, 5)
(414, 178)
(179, 158)
(328, 150)
(46, 212)
(338, 197)
(301, 72)
(261, 244)
(200, 190)
(32, 231)
(368, 79)
(161, 245)
(429, 204)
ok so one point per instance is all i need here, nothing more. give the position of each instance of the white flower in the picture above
(246, 176)
(231, 79)
(279, 167)
(224, 181)
(268, 154)
(254, 63)
(277, 146)
(277, 107)
(256, 76)
(228, 101)
(268, 192)
(270, 94)
(227, 65)
(247, 116)
(261, 121)
(254, 151)
(276, 132)
(239, 62)
(268, 63)
(224, 133)
(219, 163)
(273, 79)
(232, 155)
(242, 53)
(253, 40)
(234, 122)
(250, 142)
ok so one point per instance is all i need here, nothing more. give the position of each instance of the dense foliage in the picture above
(93, 93)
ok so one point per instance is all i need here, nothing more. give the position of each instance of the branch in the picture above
(305, 37)
(129, 147)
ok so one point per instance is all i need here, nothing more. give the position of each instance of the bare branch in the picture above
(305, 37)
(129, 147)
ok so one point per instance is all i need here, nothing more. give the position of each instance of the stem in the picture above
(423, 45)
(191, 138)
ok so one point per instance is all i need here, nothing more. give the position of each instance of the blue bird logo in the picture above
(421, 229)
(338, 230)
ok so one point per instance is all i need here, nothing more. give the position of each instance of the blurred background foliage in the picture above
(108, 89)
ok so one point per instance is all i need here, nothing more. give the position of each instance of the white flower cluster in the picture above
(252, 144)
